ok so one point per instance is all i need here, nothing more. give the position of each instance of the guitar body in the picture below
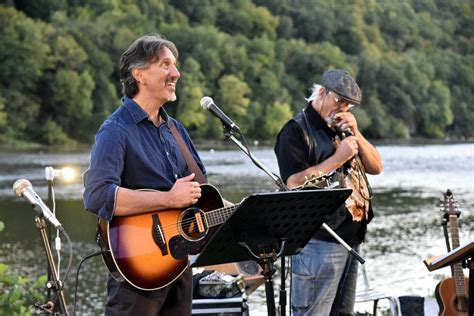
(451, 304)
(151, 250)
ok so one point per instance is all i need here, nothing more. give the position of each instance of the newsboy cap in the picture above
(342, 83)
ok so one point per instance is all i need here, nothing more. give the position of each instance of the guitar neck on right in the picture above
(451, 293)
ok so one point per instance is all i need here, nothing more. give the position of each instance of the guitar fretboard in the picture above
(457, 268)
(220, 215)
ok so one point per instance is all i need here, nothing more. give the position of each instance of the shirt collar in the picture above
(137, 112)
(314, 118)
(134, 109)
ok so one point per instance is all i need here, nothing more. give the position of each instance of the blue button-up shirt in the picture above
(131, 152)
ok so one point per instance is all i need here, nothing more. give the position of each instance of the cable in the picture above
(251, 156)
(57, 240)
(99, 252)
(61, 284)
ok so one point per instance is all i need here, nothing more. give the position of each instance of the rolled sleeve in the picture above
(102, 179)
(99, 195)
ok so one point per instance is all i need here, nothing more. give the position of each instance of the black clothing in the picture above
(124, 299)
(295, 153)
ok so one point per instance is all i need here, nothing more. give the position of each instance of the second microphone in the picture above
(208, 104)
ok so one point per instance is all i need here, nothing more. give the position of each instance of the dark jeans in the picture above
(175, 299)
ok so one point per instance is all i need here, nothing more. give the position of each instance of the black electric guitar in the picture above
(451, 293)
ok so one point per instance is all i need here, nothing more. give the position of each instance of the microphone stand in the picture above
(55, 283)
(282, 187)
(228, 134)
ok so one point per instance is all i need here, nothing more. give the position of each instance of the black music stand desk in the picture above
(267, 225)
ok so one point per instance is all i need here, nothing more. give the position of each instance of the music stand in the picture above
(464, 252)
(267, 225)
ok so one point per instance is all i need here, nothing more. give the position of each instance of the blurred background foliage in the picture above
(257, 58)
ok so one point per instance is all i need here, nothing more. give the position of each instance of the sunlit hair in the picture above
(314, 92)
(144, 51)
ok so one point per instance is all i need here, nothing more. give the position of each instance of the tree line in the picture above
(256, 58)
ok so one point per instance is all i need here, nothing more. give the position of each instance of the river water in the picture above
(405, 231)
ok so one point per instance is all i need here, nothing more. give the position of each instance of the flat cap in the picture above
(342, 83)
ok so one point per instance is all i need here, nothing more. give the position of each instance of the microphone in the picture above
(24, 189)
(208, 104)
(343, 133)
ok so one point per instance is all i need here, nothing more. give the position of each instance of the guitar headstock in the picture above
(449, 205)
(314, 181)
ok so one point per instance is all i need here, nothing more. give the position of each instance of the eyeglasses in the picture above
(340, 101)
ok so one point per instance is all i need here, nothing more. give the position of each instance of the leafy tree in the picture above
(24, 56)
(190, 92)
(413, 60)
(3, 114)
(232, 98)
(276, 116)
(435, 114)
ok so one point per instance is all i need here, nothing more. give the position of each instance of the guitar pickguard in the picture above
(180, 247)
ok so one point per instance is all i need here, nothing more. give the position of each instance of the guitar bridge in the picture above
(157, 234)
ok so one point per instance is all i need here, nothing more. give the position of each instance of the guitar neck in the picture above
(220, 215)
(457, 268)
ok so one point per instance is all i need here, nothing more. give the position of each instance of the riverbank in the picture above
(220, 144)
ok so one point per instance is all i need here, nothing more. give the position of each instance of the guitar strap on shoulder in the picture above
(192, 164)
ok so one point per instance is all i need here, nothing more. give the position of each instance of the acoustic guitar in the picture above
(451, 293)
(151, 250)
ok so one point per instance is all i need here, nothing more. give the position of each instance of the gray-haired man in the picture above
(322, 138)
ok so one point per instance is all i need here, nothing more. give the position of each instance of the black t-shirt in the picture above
(294, 155)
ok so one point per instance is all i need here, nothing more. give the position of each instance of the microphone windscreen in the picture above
(206, 102)
(20, 185)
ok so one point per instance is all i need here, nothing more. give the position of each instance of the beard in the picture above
(172, 97)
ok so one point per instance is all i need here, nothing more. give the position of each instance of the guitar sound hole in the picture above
(193, 224)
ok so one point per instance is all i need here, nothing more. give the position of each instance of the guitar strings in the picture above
(186, 223)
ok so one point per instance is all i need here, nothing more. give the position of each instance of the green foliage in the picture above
(190, 91)
(276, 116)
(18, 294)
(51, 133)
(414, 61)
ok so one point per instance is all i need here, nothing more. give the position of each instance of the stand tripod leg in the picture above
(40, 224)
(282, 287)
(269, 294)
(266, 260)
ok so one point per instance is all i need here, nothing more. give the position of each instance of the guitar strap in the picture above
(192, 164)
